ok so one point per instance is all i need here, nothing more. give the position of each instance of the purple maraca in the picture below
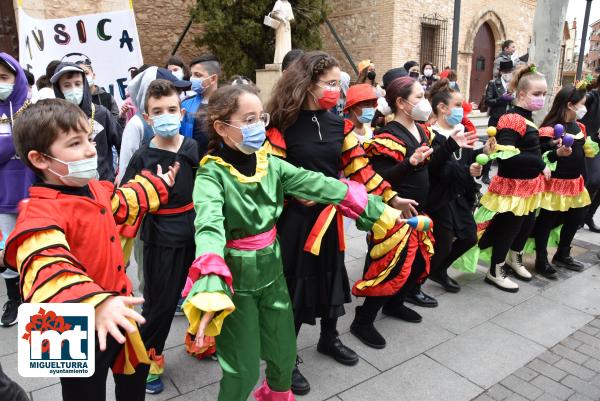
(568, 140)
(559, 131)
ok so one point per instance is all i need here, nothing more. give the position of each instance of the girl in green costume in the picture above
(235, 288)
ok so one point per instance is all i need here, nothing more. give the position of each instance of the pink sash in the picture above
(254, 242)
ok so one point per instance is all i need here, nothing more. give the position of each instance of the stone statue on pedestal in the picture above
(280, 19)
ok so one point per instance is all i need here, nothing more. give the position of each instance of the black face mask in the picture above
(371, 75)
(413, 74)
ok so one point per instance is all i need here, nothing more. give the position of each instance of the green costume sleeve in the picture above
(369, 211)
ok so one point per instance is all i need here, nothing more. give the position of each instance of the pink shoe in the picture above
(264, 393)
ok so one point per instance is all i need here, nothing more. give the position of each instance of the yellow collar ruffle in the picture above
(262, 163)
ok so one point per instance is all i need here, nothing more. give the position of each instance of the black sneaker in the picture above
(300, 386)
(11, 312)
(568, 262)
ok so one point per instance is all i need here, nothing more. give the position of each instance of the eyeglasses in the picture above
(265, 118)
(331, 85)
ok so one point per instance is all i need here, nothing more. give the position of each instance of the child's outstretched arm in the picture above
(209, 287)
(146, 192)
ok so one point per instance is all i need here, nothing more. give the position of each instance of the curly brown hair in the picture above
(292, 88)
(222, 104)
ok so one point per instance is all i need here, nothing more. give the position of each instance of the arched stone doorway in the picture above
(490, 24)
(482, 61)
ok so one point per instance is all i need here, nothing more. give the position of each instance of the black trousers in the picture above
(372, 305)
(127, 387)
(506, 232)
(448, 248)
(590, 210)
(165, 272)
(547, 220)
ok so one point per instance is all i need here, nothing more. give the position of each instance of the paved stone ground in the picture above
(542, 343)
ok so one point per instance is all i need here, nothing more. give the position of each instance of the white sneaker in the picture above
(514, 260)
(500, 280)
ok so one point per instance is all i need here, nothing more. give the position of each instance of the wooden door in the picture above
(9, 41)
(482, 64)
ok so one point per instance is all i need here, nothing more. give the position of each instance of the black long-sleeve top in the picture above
(571, 166)
(513, 130)
(390, 153)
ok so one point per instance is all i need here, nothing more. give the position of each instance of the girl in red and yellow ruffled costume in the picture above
(507, 212)
(565, 146)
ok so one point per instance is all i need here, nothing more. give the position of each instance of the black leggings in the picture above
(591, 209)
(506, 232)
(448, 249)
(328, 327)
(127, 387)
(547, 220)
(372, 305)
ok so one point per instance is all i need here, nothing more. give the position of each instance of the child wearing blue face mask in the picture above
(168, 236)
(452, 192)
(360, 108)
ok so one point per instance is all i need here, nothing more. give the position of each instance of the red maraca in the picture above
(559, 131)
(568, 140)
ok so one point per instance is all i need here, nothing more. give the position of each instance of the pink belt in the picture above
(254, 242)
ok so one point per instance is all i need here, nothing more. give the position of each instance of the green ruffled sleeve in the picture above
(504, 152)
(210, 293)
(550, 164)
(590, 147)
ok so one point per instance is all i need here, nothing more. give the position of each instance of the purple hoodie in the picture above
(15, 177)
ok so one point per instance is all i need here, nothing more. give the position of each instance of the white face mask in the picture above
(580, 112)
(421, 111)
(428, 72)
(90, 79)
(79, 172)
(74, 95)
(507, 77)
(178, 74)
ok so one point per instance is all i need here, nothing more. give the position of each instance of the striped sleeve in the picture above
(513, 122)
(275, 144)
(144, 193)
(356, 167)
(49, 272)
(386, 144)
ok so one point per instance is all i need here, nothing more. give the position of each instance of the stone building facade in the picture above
(593, 56)
(391, 32)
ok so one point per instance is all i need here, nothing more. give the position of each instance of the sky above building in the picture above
(577, 10)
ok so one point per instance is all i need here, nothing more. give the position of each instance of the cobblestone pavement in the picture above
(542, 343)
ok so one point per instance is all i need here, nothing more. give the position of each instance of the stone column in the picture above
(545, 47)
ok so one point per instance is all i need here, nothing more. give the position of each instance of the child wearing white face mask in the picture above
(565, 197)
(168, 235)
(68, 227)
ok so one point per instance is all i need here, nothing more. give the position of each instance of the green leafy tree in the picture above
(234, 31)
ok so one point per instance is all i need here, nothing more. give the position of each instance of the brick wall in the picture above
(388, 31)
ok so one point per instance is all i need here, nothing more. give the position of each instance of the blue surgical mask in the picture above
(166, 125)
(6, 90)
(253, 137)
(456, 116)
(366, 115)
(197, 85)
(74, 95)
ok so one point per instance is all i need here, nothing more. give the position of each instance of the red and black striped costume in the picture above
(66, 248)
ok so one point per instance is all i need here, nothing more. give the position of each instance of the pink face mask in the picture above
(536, 103)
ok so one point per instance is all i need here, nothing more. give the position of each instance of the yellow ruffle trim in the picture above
(519, 206)
(262, 163)
(203, 302)
(561, 203)
(386, 221)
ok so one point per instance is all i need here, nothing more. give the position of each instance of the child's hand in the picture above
(564, 151)
(169, 177)
(199, 341)
(306, 202)
(465, 140)
(406, 206)
(113, 313)
(547, 173)
(490, 146)
(475, 169)
(420, 155)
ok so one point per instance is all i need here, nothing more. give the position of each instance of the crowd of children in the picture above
(234, 210)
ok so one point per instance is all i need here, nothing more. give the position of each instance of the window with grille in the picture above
(434, 31)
